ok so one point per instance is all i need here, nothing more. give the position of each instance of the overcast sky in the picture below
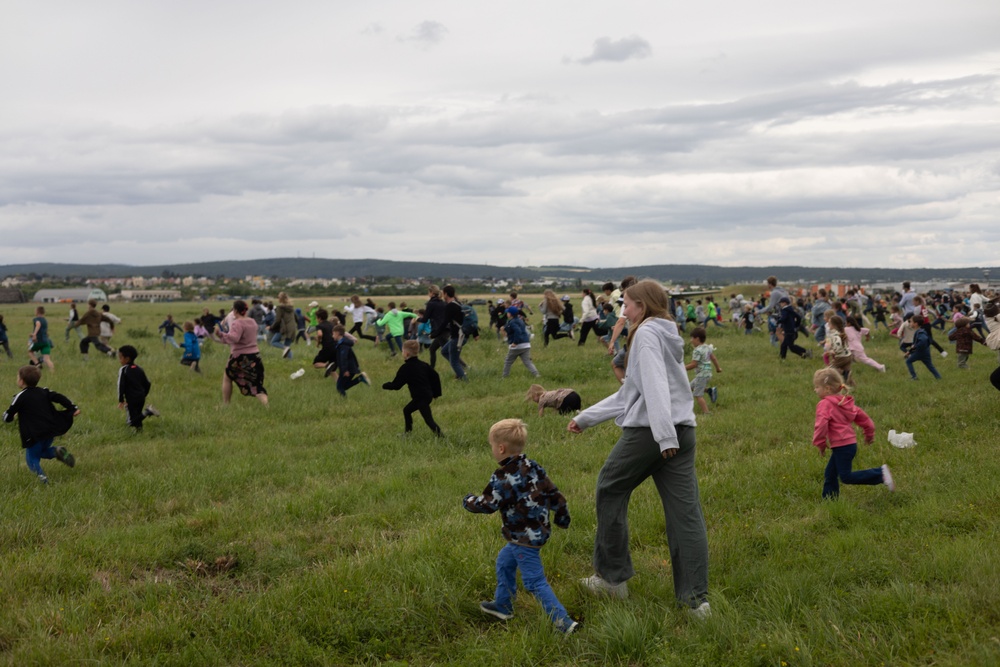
(855, 133)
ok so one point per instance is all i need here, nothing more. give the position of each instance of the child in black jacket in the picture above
(133, 388)
(424, 384)
(39, 422)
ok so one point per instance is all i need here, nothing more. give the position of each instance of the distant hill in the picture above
(386, 270)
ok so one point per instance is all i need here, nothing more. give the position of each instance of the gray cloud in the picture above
(627, 48)
(426, 33)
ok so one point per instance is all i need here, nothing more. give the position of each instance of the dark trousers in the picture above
(135, 415)
(422, 406)
(788, 343)
(585, 328)
(927, 327)
(356, 331)
(840, 467)
(86, 342)
(344, 383)
(995, 379)
(437, 344)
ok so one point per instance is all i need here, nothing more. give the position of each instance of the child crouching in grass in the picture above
(39, 422)
(836, 415)
(563, 400)
(524, 495)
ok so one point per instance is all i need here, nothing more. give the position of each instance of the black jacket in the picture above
(39, 419)
(423, 381)
(435, 313)
(133, 386)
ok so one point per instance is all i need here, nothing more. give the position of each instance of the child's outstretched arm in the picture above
(488, 502)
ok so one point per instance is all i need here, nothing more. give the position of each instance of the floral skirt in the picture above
(247, 372)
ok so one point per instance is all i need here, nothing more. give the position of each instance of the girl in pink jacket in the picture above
(836, 416)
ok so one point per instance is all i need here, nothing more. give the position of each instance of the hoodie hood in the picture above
(666, 331)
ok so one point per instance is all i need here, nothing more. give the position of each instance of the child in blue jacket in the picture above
(920, 350)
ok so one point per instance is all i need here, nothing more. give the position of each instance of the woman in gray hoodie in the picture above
(655, 410)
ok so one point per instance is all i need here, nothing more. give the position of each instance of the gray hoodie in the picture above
(656, 393)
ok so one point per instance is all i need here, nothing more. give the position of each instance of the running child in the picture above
(192, 348)
(424, 384)
(702, 359)
(39, 422)
(840, 354)
(524, 495)
(856, 336)
(920, 350)
(348, 371)
(40, 347)
(963, 336)
(133, 388)
(519, 343)
(836, 415)
(3, 338)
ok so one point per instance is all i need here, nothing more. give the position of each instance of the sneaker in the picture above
(150, 411)
(808, 354)
(944, 353)
(573, 626)
(286, 352)
(329, 369)
(43, 479)
(595, 584)
(887, 478)
(111, 353)
(365, 379)
(713, 393)
(490, 607)
(701, 612)
(65, 457)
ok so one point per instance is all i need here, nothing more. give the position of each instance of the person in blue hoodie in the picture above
(655, 410)
(921, 348)
(519, 341)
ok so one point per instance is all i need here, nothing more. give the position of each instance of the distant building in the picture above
(65, 295)
(11, 295)
(150, 294)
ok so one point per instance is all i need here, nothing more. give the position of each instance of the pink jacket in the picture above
(241, 338)
(835, 418)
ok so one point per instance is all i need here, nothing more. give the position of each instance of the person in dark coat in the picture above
(424, 384)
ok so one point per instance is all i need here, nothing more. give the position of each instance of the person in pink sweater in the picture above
(836, 415)
(856, 335)
(245, 367)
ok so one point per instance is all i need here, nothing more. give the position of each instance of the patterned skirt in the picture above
(247, 372)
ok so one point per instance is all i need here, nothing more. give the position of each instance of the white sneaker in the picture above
(887, 478)
(701, 612)
(944, 353)
(595, 584)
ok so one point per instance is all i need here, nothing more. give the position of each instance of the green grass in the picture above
(309, 533)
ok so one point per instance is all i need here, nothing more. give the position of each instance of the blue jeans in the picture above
(398, 340)
(926, 358)
(42, 449)
(277, 342)
(170, 339)
(840, 467)
(344, 383)
(451, 352)
(514, 557)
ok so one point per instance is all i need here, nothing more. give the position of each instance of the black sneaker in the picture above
(150, 411)
(65, 457)
(713, 393)
(490, 607)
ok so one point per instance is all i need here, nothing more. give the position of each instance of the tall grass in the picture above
(311, 533)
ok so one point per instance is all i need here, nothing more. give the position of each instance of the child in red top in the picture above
(836, 416)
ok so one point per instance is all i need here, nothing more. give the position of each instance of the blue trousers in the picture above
(453, 354)
(924, 357)
(514, 557)
(42, 449)
(840, 467)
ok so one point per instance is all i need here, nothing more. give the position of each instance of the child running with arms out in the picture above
(836, 415)
(424, 384)
(564, 400)
(703, 359)
(39, 422)
(348, 370)
(133, 388)
(524, 495)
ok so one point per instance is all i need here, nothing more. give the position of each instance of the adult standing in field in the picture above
(92, 320)
(245, 367)
(655, 410)
(588, 315)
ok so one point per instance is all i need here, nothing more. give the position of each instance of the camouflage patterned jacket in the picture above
(523, 494)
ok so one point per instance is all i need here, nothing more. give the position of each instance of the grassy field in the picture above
(311, 533)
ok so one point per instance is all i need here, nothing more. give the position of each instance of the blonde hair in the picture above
(830, 379)
(552, 303)
(652, 298)
(513, 433)
(283, 298)
(411, 346)
(535, 392)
